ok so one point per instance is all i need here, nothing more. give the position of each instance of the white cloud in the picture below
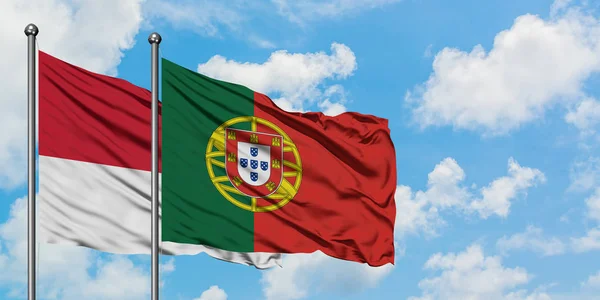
(117, 278)
(532, 66)
(524, 295)
(334, 100)
(66, 272)
(301, 11)
(415, 214)
(204, 16)
(496, 197)
(213, 293)
(298, 78)
(214, 18)
(165, 269)
(559, 6)
(586, 116)
(331, 109)
(428, 51)
(585, 174)
(319, 273)
(70, 30)
(588, 291)
(168, 267)
(261, 42)
(593, 282)
(471, 275)
(444, 190)
(420, 211)
(532, 239)
(589, 242)
(593, 206)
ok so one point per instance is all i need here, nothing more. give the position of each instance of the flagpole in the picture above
(154, 39)
(31, 32)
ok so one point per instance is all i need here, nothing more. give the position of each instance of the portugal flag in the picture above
(241, 174)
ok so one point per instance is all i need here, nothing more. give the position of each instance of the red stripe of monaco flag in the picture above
(94, 165)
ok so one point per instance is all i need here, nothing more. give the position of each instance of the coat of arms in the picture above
(253, 161)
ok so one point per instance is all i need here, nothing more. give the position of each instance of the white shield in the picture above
(254, 163)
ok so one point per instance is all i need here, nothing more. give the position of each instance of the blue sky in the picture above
(493, 111)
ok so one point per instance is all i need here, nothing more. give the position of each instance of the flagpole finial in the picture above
(31, 29)
(154, 38)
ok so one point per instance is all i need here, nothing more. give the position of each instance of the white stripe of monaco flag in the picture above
(94, 165)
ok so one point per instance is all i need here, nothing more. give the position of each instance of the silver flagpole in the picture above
(31, 32)
(154, 40)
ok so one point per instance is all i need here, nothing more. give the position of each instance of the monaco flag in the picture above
(94, 165)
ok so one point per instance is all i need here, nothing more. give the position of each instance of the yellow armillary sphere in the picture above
(254, 164)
